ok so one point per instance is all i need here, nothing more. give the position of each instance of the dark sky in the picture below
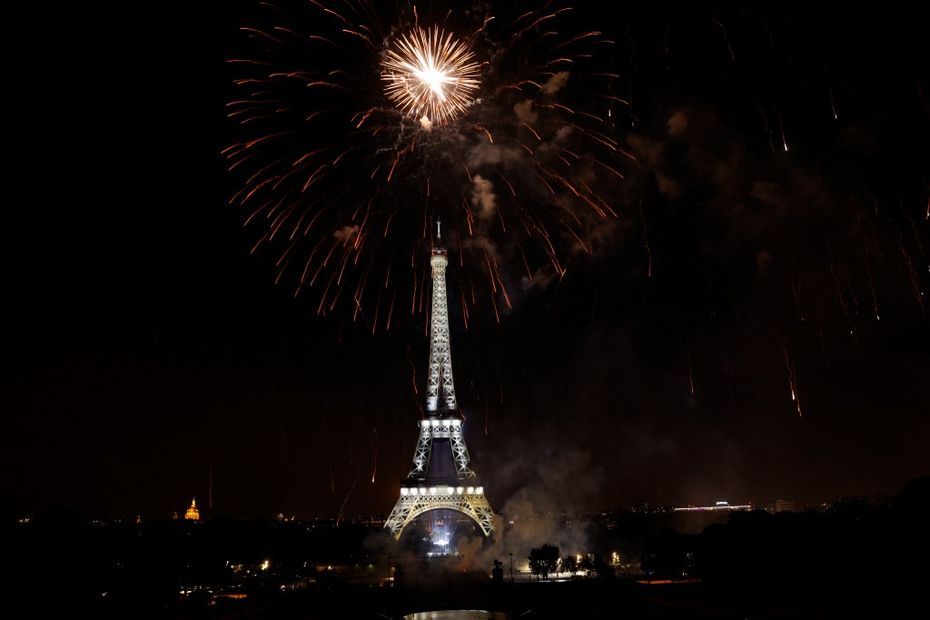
(143, 343)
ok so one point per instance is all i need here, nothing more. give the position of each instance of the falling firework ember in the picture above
(360, 124)
(792, 382)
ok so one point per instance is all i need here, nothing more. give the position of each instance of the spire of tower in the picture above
(440, 392)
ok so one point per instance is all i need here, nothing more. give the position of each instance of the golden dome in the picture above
(192, 513)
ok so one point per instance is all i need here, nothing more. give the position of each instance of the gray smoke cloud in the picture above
(525, 112)
(506, 173)
(549, 482)
(483, 197)
(487, 154)
(346, 232)
(556, 83)
(677, 123)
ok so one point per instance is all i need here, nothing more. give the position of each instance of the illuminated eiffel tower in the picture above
(441, 477)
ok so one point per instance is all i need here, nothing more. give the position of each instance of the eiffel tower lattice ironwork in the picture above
(441, 477)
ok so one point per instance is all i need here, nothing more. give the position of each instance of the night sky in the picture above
(144, 345)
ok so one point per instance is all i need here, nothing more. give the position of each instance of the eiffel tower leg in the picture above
(400, 516)
(471, 502)
(484, 516)
(422, 453)
(460, 452)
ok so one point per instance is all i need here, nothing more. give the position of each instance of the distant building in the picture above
(192, 514)
(784, 505)
(695, 519)
(724, 506)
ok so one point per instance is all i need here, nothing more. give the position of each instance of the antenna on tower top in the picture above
(438, 230)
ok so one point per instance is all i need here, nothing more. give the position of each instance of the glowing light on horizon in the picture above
(430, 76)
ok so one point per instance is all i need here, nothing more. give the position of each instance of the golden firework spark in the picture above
(430, 75)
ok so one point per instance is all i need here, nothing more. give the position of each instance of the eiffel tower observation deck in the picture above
(441, 477)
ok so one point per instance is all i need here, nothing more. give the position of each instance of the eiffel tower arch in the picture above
(441, 476)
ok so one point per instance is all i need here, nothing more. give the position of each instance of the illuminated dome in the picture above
(192, 513)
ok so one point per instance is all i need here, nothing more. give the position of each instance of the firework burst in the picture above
(431, 76)
(360, 125)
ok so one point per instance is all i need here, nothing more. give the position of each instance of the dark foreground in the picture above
(566, 600)
(849, 561)
(580, 598)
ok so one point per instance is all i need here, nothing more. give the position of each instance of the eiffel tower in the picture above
(441, 477)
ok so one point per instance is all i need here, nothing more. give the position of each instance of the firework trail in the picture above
(359, 124)
(690, 371)
(871, 285)
(646, 245)
(781, 128)
(792, 382)
(796, 296)
(342, 507)
(374, 455)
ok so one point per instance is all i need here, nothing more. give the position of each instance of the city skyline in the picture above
(751, 329)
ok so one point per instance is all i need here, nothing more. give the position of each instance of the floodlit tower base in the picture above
(414, 501)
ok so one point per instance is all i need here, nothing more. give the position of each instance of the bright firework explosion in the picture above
(360, 128)
(431, 76)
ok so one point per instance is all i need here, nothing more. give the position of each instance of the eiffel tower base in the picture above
(470, 502)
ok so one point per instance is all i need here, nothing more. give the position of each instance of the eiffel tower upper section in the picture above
(440, 389)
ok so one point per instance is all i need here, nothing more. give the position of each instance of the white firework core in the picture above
(430, 75)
